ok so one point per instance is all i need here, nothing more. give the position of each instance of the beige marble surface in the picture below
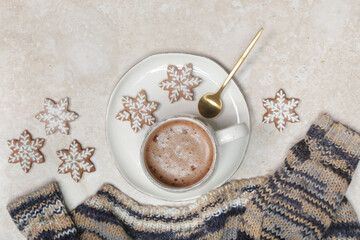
(80, 49)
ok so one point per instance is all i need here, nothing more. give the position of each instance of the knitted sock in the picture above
(302, 198)
(42, 215)
(112, 214)
(345, 224)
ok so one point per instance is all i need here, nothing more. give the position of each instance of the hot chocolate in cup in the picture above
(180, 153)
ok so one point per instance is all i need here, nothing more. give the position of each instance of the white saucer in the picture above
(125, 144)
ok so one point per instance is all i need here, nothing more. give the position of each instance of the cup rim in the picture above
(207, 128)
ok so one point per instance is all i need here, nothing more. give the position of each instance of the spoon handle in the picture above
(240, 61)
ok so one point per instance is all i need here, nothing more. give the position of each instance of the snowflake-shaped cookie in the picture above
(138, 111)
(180, 83)
(26, 151)
(56, 116)
(76, 160)
(280, 110)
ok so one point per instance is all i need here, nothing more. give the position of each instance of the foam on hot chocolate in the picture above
(179, 153)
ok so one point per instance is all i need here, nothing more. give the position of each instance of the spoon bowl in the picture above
(210, 105)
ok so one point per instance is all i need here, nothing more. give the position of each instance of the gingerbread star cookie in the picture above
(76, 160)
(280, 110)
(26, 151)
(56, 116)
(180, 83)
(138, 111)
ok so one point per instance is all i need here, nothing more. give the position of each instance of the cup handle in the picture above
(232, 133)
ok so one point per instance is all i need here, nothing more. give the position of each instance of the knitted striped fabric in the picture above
(304, 199)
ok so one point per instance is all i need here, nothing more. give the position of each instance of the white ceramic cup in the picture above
(218, 137)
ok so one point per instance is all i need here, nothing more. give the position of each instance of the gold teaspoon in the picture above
(210, 104)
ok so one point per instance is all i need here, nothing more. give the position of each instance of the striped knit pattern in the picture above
(42, 215)
(213, 216)
(304, 199)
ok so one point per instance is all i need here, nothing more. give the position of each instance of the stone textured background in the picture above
(80, 49)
